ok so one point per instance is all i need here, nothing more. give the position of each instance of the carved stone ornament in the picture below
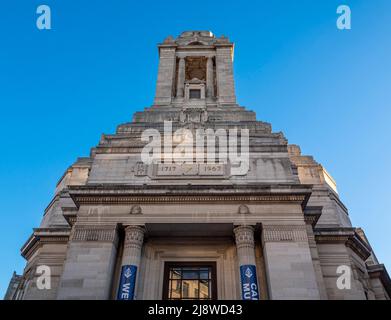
(243, 209)
(193, 115)
(136, 209)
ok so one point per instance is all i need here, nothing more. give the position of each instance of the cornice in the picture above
(116, 194)
(347, 236)
(70, 214)
(44, 235)
(380, 271)
(312, 214)
(84, 199)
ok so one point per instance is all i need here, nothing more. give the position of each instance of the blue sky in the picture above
(328, 90)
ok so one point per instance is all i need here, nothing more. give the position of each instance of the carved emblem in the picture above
(243, 209)
(136, 209)
(193, 115)
(140, 169)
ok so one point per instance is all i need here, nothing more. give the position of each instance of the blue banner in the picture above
(127, 282)
(248, 277)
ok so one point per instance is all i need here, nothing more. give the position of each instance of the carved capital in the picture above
(244, 236)
(134, 237)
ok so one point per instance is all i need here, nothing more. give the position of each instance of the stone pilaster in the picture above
(289, 268)
(209, 78)
(244, 238)
(224, 73)
(134, 238)
(316, 262)
(181, 78)
(89, 266)
(165, 78)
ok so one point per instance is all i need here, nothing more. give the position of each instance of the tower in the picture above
(183, 224)
(195, 65)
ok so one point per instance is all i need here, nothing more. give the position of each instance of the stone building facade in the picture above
(120, 228)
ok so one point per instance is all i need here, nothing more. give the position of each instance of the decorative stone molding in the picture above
(379, 271)
(277, 233)
(70, 214)
(136, 209)
(43, 236)
(130, 199)
(244, 236)
(197, 114)
(243, 209)
(95, 233)
(312, 214)
(245, 247)
(134, 238)
(140, 169)
(347, 236)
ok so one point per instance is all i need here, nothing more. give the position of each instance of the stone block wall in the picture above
(90, 262)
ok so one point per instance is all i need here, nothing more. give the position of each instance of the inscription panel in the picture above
(189, 169)
(184, 170)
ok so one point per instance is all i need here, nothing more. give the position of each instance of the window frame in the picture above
(183, 264)
(195, 90)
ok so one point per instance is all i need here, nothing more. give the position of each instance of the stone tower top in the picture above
(196, 67)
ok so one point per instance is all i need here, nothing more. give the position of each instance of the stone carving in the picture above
(244, 236)
(136, 209)
(96, 233)
(196, 38)
(134, 237)
(140, 169)
(129, 199)
(169, 39)
(193, 115)
(189, 169)
(276, 233)
(243, 209)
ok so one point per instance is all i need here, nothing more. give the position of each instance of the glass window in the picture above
(189, 281)
(195, 93)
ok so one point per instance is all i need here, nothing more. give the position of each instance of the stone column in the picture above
(209, 78)
(181, 78)
(134, 237)
(244, 238)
